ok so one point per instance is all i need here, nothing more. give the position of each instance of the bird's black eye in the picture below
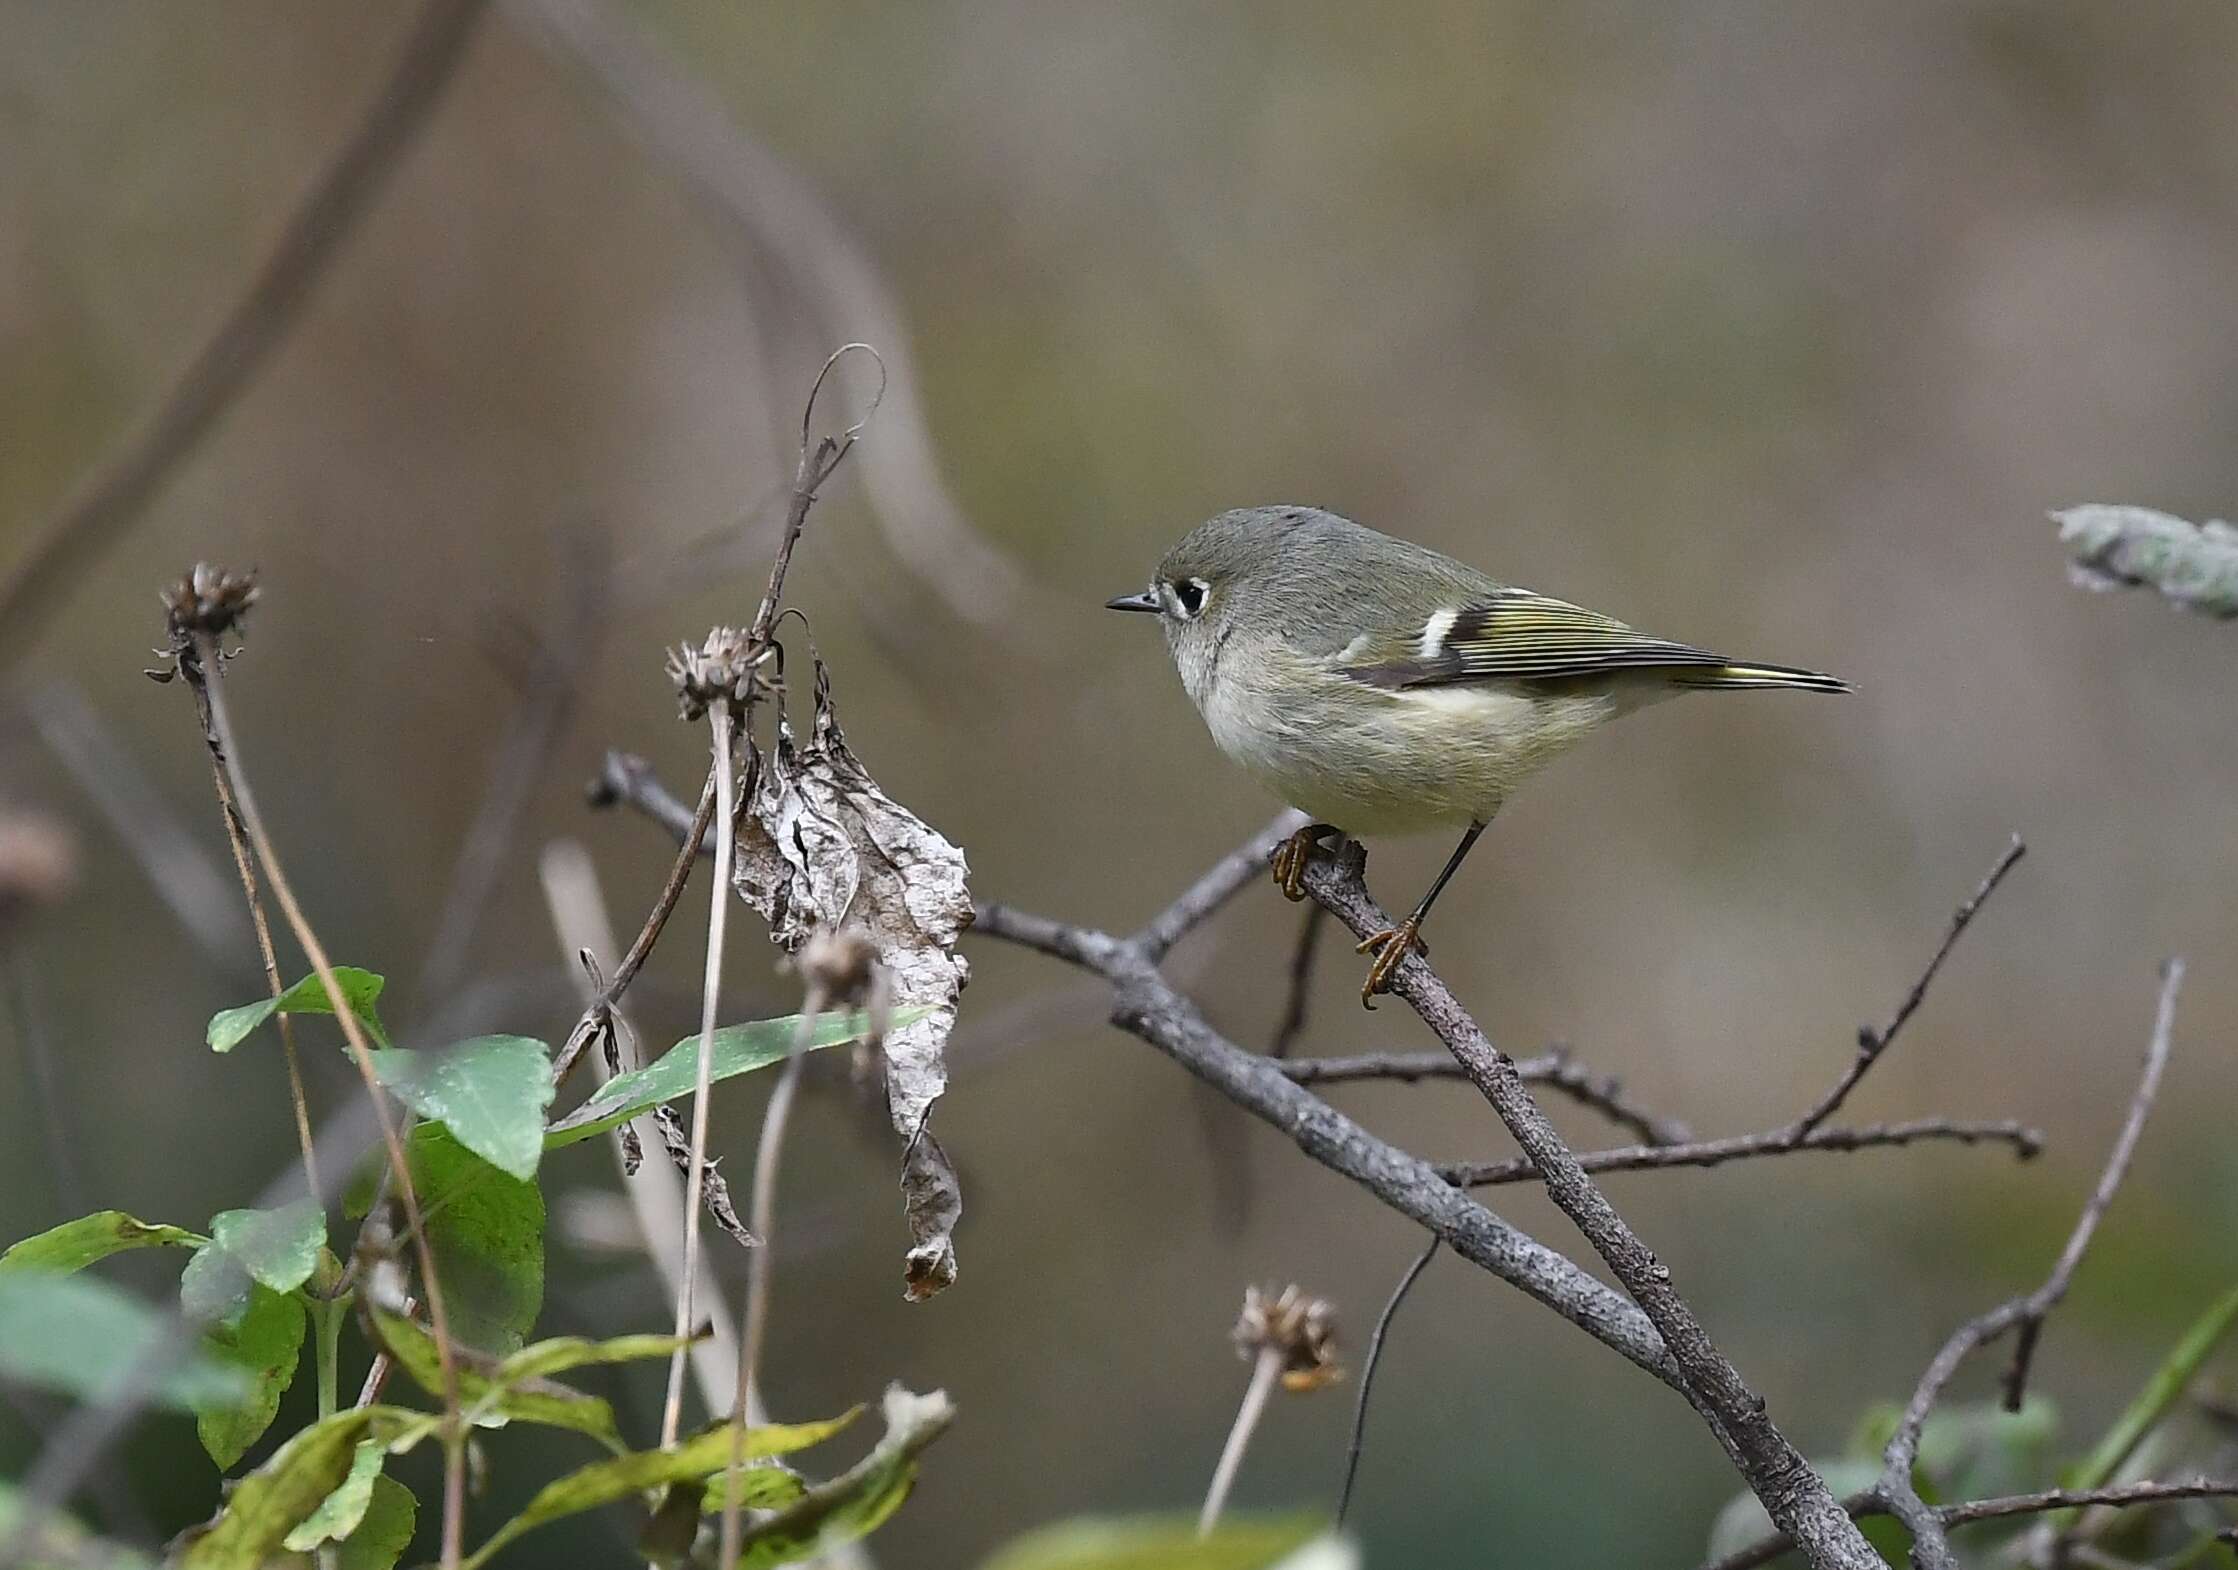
(1189, 595)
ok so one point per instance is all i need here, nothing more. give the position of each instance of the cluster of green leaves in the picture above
(1981, 1451)
(257, 1283)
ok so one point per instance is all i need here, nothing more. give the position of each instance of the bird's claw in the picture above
(1290, 858)
(1390, 947)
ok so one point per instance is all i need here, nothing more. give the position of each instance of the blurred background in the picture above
(1772, 328)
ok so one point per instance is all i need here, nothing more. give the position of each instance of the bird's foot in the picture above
(1290, 858)
(1390, 947)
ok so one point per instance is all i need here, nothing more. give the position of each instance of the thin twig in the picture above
(1146, 1004)
(1872, 1043)
(1793, 1494)
(38, 588)
(205, 656)
(2025, 1141)
(655, 1191)
(1368, 1368)
(691, 833)
(522, 760)
(769, 1156)
(1265, 1370)
(244, 866)
(1293, 1022)
(1902, 1451)
(1228, 877)
(1557, 1069)
(2043, 1502)
(719, 719)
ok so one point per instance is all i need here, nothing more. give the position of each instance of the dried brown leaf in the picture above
(821, 848)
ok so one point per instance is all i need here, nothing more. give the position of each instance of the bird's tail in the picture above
(1742, 678)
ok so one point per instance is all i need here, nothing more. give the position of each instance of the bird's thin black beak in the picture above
(1142, 601)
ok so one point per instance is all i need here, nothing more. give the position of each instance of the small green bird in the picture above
(1386, 689)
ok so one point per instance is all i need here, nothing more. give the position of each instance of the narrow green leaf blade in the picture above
(83, 1337)
(602, 1482)
(739, 1049)
(2163, 1390)
(280, 1495)
(484, 1398)
(77, 1244)
(486, 1229)
(562, 1353)
(858, 1501)
(491, 1092)
(265, 1345)
(361, 989)
(1160, 1543)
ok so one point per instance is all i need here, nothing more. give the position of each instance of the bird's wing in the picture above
(1510, 635)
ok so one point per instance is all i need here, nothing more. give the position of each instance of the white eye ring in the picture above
(1189, 597)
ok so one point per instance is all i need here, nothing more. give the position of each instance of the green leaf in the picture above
(340, 1512)
(2163, 1390)
(381, 1538)
(739, 1049)
(265, 1345)
(83, 1337)
(214, 1289)
(276, 1498)
(858, 1501)
(486, 1230)
(278, 1248)
(1168, 1543)
(602, 1482)
(360, 989)
(562, 1353)
(484, 1397)
(491, 1092)
(766, 1485)
(77, 1244)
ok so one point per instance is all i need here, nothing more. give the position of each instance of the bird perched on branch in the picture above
(1384, 688)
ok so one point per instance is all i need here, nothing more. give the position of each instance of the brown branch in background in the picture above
(781, 216)
(1872, 1043)
(1292, 1025)
(38, 587)
(203, 608)
(550, 686)
(1555, 1068)
(184, 876)
(1367, 1370)
(1793, 1494)
(2026, 1143)
(1227, 877)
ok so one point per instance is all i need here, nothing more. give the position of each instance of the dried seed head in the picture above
(38, 863)
(1303, 1329)
(209, 600)
(720, 670)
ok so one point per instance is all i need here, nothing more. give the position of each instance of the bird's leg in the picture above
(1290, 857)
(1392, 945)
